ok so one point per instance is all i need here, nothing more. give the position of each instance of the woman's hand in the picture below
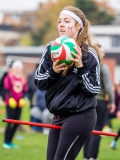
(58, 67)
(78, 57)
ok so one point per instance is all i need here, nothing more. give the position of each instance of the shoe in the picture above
(6, 145)
(92, 159)
(113, 144)
(13, 145)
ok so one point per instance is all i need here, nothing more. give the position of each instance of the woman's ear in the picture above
(78, 26)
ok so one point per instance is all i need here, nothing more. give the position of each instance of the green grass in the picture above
(33, 146)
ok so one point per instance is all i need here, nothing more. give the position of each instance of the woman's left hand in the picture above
(78, 57)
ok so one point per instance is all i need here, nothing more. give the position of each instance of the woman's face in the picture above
(67, 26)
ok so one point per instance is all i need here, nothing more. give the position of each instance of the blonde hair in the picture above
(84, 39)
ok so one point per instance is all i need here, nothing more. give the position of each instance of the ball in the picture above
(62, 48)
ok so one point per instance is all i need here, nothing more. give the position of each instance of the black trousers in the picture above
(118, 132)
(91, 147)
(11, 128)
(65, 144)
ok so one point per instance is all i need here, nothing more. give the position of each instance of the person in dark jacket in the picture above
(91, 147)
(70, 89)
(31, 88)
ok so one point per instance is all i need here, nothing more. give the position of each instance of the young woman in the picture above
(70, 95)
(15, 85)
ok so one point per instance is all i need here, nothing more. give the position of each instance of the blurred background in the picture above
(27, 26)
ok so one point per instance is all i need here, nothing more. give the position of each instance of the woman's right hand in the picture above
(59, 67)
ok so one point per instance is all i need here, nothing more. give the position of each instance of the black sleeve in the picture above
(45, 76)
(89, 74)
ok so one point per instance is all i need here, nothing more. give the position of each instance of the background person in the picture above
(15, 85)
(2, 90)
(70, 96)
(39, 111)
(91, 147)
(110, 116)
(113, 144)
(31, 88)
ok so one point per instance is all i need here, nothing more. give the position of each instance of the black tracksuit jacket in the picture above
(74, 92)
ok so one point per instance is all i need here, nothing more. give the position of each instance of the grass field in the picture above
(33, 145)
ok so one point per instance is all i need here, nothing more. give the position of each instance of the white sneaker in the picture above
(113, 144)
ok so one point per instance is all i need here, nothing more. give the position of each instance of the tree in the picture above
(46, 21)
(26, 39)
(93, 13)
(48, 12)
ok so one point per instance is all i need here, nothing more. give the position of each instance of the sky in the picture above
(22, 5)
(19, 5)
(30, 5)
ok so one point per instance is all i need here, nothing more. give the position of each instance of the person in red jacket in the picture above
(15, 85)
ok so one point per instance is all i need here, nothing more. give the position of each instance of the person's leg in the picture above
(52, 143)
(16, 116)
(111, 117)
(91, 147)
(37, 119)
(73, 134)
(38, 128)
(114, 141)
(45, 116)
(46, 120)
(108, 121)
(9, 115)
(116, 138)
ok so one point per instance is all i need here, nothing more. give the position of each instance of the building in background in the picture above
(15, 23)
(108, 36)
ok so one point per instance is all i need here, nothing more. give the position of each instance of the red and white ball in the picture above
(62, 48)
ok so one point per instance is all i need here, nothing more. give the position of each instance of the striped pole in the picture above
(53, 126)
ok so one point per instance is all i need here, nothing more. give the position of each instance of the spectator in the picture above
(91, 147)
(110, 116)
(113, 144)
(40, 112)
(31, 88)
(2, 90)
(15, 85)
